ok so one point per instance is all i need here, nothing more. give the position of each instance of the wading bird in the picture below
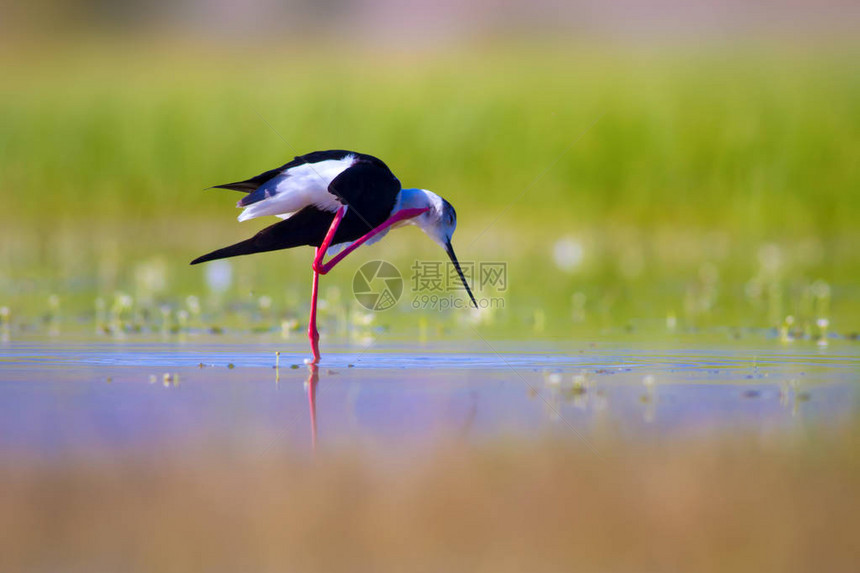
(335, 200)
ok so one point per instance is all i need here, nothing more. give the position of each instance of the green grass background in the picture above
(719, 185)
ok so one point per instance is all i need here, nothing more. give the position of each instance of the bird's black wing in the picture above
(368, 188)
(250, 185)
(370, 191)
(307, 227)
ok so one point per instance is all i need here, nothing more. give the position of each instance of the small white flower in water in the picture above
(580, 380)
(364, 318)
(823, 323)
(265, 302)
(568, 254)
(153, 379)
(554, 379)
(648, 381)
(476, 316)
(123, 301)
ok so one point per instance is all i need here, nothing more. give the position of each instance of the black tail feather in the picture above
(242, 186)
(307, 227)
(245, 247)
(283, 235)
(249, 185)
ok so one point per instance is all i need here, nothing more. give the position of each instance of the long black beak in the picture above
(450, 250)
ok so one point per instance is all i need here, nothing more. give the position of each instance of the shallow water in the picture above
(60, 397)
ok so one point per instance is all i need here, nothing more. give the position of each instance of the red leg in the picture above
(313, 333)
(323, 269)
(338, 217)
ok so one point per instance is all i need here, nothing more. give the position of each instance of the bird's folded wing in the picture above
(297, 187)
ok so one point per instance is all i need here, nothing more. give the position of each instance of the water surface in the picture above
(55, 397)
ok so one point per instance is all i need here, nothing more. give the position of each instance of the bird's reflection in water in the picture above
(311, 386)
(396, 412)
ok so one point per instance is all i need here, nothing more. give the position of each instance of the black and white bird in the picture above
(335, 200)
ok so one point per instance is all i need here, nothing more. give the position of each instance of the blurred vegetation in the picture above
(658, 189)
